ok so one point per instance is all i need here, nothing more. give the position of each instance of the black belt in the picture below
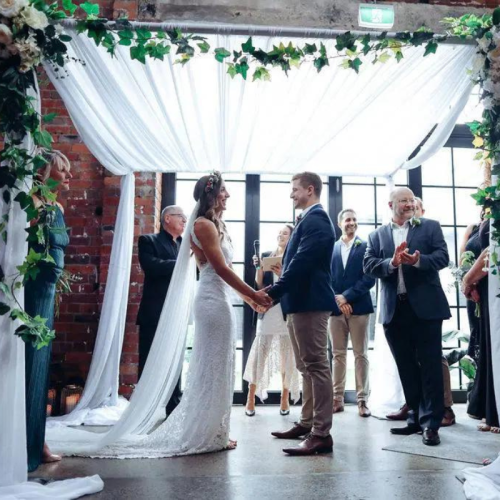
(402, 297)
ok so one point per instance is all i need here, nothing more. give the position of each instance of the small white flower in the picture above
(5, 35)
(492, 88)
(59, 29)
(11, 8)
(484, 43)
(29, 52)
(33, 17)
(488, 102)
(478, 65)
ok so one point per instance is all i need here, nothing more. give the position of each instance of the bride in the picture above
(200, 423)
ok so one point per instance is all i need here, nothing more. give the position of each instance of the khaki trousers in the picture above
(340, 327)
(309, 336)
(448, 396)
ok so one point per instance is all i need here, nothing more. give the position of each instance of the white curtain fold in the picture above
(100, 404)
(161, 116)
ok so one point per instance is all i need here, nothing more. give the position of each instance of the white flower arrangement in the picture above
(12, 8)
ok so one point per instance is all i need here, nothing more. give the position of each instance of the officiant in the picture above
(157, 257)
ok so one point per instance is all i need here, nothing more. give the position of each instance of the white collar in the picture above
(394, 225)
(347, 245)
(306, 210)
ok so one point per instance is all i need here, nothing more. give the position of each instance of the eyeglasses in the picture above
(411, 201)
(182, 216)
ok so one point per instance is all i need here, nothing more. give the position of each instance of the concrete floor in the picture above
(257, 469)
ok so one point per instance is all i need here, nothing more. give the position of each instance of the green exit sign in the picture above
(372, 15)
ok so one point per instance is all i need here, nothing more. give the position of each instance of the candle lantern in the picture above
(51, 400)
(70, 395)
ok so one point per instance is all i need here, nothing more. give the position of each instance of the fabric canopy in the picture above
(160, 116)
(165, 117)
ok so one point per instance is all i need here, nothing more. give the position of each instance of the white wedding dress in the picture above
(200, 423)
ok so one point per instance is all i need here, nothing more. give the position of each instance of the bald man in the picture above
(407, 255)
(157, 257)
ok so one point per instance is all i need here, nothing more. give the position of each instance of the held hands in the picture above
(346, 310)
(261, 298)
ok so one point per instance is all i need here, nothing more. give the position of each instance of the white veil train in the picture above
(161, 372)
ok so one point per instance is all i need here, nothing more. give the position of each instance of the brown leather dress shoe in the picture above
(297, 431)
(401, 414)
(448, 418)
(338, 406)
(430, 437)
(363, 410)
(311, 446)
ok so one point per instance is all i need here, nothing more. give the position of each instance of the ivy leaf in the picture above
(242, 68)
(478, 141)
(49, 117)
(248, 47)
(355, 64)
(261, 73)
(91, 9)
(4, 308)
(221, 53)
(231, 70)
(431, 48)
(138, 52)
(42, 138)
(399, 55)
(310, 49)
(6, 290)
(204, 47)
(320, 63)
(384, 57)
(69, 6)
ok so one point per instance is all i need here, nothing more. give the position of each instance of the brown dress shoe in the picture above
(338, 406)
(401, 414)
(363, 410)
(311, 446)
(297, 431)
(448, 418)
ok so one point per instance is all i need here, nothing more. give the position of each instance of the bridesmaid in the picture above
(39, 297)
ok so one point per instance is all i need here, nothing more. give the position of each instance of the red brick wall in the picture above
(90, 206)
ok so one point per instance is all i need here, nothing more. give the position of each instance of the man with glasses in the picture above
(407, 255)
(157, 256)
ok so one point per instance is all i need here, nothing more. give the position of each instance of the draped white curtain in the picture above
(160, 116)
(13, 456)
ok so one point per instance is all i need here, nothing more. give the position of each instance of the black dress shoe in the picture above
(406, 431)
(430, 437)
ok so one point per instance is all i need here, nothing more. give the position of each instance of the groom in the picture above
(306, 296)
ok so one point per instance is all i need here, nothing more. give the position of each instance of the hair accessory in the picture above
(213, 179)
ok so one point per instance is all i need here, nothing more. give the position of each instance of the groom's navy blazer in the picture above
(306, 280)
(352, 282)
(423, 286)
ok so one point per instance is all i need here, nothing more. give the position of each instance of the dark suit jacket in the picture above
(306, 280)
(352, 282)
(425, 293)
(157, 256)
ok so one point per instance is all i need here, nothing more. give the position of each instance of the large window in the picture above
(448, 180)
(445, 182)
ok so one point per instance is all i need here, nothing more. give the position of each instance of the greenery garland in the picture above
(30, 33)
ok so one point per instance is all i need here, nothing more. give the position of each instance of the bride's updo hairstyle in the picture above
(206, 191)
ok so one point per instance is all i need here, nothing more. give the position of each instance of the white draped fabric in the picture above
(164, 117)
(100, 404)
(13, 458)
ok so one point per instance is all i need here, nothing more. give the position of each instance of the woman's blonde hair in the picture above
(55, 159)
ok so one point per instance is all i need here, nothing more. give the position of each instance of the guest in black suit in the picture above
(157, 256)
(307, 299)
(352, 316)
(406, 255)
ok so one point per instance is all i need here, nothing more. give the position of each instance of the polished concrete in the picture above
(257, 469)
